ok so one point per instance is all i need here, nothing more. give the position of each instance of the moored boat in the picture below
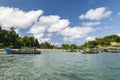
(10, 51)
(90, 51)
(113, 50)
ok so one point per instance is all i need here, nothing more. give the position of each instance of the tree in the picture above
(65, 46)
(36, 43)
(12, 39)
(102, 42)
(46, 45)
(73, 46)
(1, 45)
(0, 28)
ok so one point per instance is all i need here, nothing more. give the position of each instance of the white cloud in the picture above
(59, 26)
(90, 24)
(44, 27)
(14, 17)
(41, 40)
(90, 38)
(36, 29)
(96, 14)
(49, 35)
(56, 43)
(47, 25)
(49, 20)
(38, 36)
(107, 27)
(118, 34)
(17, 31)
(75, 32)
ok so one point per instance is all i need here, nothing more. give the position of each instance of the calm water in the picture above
(60, 66)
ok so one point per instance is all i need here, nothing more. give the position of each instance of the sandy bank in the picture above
(49, 49)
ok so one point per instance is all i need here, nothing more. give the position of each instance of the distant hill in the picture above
(107, 41)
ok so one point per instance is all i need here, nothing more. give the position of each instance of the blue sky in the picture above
(61, 21)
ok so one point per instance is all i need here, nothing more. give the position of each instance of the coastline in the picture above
(40, 49)
(49, 49)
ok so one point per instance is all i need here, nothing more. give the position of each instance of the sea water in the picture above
(59, 65)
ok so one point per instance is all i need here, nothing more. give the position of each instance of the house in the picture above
(115, 44)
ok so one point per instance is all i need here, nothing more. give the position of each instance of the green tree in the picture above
(0, 28)
(65, 46)
(73, 46)
(36, 43)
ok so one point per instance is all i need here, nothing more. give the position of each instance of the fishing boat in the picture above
(24, 51)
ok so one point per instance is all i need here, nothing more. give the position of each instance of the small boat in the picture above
(90, 51)
(114, 50)
(10, 51)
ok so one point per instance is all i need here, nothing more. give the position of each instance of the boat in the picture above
(113, 50)
(10, 51)
(90, 51)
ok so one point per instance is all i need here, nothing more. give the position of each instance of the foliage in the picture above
(13, 40)
(102, 42)
(65, 46)
(47, 45)
(68, 46)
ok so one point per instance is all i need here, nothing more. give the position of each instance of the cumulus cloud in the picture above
(14, 17)
(49, 35)
(90, 38)
(71, 34)
(118, 34)
(96, 14)
(49, 24)
(36, 29)
(56, 43)
(49, 20)
(17, 31)
(44, 27)
(41, 38)
(90, 24)
(58, 26)
(53, 24)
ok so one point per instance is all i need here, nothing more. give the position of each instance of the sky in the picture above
(61, 21)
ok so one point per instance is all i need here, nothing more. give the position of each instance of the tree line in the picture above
(97, 43)
(9, 38)
(102, 42)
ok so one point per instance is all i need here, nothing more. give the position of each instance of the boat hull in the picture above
(9, 51)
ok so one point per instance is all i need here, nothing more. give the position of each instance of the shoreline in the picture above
(41, 49)
(49, 49)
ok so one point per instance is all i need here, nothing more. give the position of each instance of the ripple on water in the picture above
(60, 66)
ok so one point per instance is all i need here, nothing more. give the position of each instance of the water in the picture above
(58, 65)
